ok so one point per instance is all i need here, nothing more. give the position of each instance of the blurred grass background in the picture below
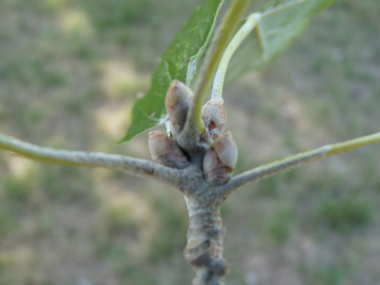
(70, 71)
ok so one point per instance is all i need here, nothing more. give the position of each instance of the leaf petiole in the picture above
(212, 60)
(239, 37)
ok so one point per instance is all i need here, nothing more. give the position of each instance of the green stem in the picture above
(213, 56)
(353, 144)
(239, 37)
(290, 162)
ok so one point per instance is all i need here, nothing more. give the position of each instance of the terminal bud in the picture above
(220, 160)
(165, 150)
(178, 100)
(214, 117)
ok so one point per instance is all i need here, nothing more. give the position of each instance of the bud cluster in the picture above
(221, 155)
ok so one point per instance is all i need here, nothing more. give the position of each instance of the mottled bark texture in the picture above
(204, 249)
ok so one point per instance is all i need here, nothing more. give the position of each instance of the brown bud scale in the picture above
(214, 117)
(165, 151)
(220, 160)
(178, 100)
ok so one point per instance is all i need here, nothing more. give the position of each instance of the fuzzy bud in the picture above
(220, 160)
(178, 100)
(165, 150)
(214, 117)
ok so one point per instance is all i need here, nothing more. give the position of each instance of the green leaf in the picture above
(178, 62)
(282, 21)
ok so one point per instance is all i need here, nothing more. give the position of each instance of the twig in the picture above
(290, 162)
(136, 166)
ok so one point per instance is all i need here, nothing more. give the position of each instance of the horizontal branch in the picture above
(290, 162)
(135, 166)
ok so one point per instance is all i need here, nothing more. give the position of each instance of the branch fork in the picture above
(194, 156)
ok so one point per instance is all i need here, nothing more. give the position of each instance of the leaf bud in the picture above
(214, 117)
(178, 100)
(220, 160)
(164, 150)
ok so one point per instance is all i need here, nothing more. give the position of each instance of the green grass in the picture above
(8, 221)
(170, 235)
(119, 13)
(65, 184)
(280, 225)
(325, 274)
(15, 190)
(118, 218)
(346, 214)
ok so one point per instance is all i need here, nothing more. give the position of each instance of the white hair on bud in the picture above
(165, 122)
(218, 81)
